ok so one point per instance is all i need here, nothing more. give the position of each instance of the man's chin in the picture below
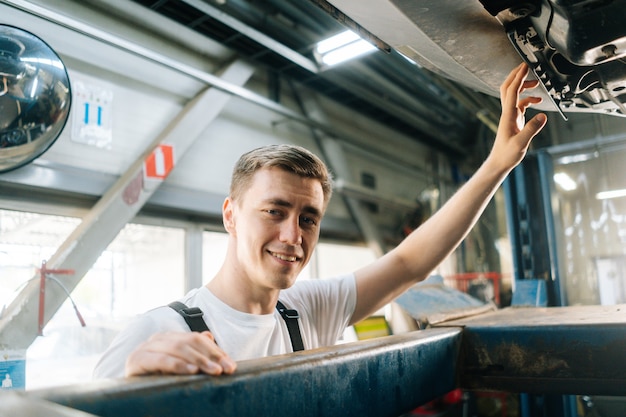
(285, 282)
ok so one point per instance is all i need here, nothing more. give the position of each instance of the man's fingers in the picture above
(516, 83)
(513, 84)
(529, 84)
(228, 365)
(179, 353)
(528, 101)
(146, 362)
(510, 79)
(534, 125)
(510, 92)
(514, 134)
(200, 350)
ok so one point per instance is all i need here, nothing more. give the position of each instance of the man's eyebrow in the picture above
(313, 211)
(279, 202)
(284, 203)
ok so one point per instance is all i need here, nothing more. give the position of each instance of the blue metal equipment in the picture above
(564, 350)
(379, 377)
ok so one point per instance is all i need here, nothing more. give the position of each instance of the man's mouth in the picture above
(283, 257)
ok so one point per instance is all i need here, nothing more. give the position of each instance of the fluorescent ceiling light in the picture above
(571, 159)
(342, 47)
(611, 194)
(565, 181)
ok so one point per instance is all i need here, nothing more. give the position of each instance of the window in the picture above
(337, 259)
(591, 188)
(141, 269)
(213, 253)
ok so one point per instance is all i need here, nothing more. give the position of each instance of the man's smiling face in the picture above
(276, 226)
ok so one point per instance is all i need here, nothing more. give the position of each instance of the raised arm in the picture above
(425, 248)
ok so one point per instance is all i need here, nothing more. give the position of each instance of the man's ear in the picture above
(228, 215)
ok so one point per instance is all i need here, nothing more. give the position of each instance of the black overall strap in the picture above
(291, 319)
(192, 315)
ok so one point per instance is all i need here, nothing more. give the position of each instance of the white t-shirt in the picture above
(325, 308)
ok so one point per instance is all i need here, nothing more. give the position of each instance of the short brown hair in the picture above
(291, 158)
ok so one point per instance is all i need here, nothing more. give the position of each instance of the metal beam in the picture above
(362, 193)
(554, 350)
(388, 376)
(412, 111)
(258, 36)
(174, 64)
(19, 324)
(334, 155)
(532, 220)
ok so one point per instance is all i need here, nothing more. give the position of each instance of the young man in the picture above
(277, 199)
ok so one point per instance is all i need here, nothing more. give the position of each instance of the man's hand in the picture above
(179, 354)
(513, 137)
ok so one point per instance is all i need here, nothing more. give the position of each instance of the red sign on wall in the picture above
(160, 162)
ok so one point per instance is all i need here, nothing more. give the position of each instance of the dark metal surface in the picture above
(559, 350)
(553, 350)
(381, 377)
(575, 48)
(580, 67)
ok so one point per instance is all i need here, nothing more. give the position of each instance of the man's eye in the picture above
(309, 221)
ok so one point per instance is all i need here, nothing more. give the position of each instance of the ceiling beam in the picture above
(255, 35)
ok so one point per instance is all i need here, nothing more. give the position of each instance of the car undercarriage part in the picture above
(576, 48)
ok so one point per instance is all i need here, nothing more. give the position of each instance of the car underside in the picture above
(576, 48)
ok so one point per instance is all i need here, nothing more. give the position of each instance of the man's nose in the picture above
(291, 232)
